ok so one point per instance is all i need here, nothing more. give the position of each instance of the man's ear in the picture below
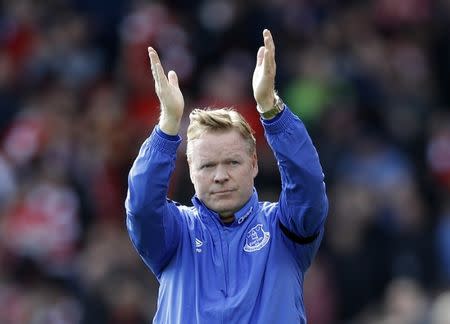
(190, 170)
(255, 164)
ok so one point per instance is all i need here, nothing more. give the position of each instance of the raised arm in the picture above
(152, 221)
(303, 203)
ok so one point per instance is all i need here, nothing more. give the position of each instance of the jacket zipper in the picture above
(225, 254)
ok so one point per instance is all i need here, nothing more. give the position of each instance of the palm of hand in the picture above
(262, 86)
(263, 80)
(171, 99)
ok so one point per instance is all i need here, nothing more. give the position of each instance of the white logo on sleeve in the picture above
(256, 239)
(198, 245)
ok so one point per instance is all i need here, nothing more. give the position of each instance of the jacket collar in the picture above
(250, 207)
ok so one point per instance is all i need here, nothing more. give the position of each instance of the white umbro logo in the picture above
(198, 245)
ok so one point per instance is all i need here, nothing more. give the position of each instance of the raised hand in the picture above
(263, 81)
(169, 94)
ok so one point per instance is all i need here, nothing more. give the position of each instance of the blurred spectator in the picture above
(442, 243)
(113, 283)
(8, 189)
(438, 148)
(320, 294)
(405, 302)
(43, 224)
(440, 309)
(356, 248)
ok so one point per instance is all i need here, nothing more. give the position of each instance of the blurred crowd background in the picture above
(370, 79)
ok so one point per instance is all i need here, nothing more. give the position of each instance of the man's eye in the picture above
(206, 166)
(234, 162)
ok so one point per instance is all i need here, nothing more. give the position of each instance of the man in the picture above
(230, 258)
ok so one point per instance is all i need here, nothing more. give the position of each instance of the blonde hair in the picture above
(217, 120)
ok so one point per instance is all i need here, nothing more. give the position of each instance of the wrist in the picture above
(169, 126)
(274, 110)
(266, 104)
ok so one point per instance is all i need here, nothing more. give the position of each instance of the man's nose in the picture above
(221, 175)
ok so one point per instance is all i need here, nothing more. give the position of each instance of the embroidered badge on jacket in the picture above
(256, 239)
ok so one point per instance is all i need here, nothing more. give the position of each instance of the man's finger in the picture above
(269, 62)
(173, 78)
(260, 56)
(157, 69)
(268, 40)
(154, 59)
(161, 77)
(269, 52)
(269, 44)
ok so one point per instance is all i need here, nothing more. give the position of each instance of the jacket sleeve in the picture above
(153, 222)
(303, 203)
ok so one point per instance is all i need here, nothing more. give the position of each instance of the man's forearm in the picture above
(149, 176)
(149, 222)
(303, 199)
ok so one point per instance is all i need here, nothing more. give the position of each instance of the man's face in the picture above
(222, 171)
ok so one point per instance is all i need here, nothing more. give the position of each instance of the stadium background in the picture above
(369, 78)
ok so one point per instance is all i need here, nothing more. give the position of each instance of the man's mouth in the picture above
(222, 192)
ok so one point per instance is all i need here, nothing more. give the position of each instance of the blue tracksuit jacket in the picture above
(251, 271)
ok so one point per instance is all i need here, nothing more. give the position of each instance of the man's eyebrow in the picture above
(206, 160)
(233, 157)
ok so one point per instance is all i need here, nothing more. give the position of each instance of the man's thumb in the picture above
(173, 78)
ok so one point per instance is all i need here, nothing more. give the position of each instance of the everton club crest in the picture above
(256, 239)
